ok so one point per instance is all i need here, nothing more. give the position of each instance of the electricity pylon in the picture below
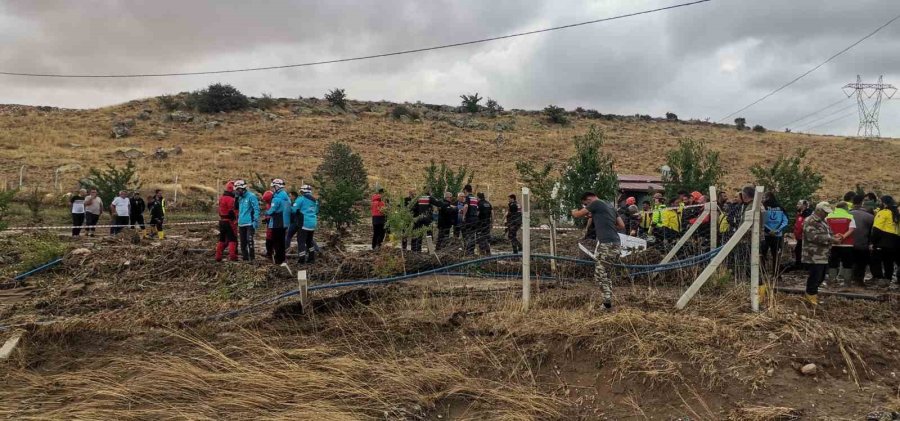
(868, 97)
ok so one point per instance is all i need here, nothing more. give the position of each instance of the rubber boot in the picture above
(812, 299)
(232, 251)
(161, 235)
(311, 258)
(220, 246)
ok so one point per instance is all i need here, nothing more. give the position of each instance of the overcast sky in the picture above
(702, 61)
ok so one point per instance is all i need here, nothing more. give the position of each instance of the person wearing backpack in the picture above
(775, 222)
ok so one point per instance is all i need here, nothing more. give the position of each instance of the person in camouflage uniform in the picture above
(607, 225)
(817, 242)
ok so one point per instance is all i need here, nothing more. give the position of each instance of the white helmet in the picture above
(240, 184)
(306, 188)
(278, 183)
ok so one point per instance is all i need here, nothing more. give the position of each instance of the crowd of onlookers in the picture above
(125, 210)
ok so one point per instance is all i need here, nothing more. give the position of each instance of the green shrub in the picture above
(692, 167)
(443, 179)
(343, 181)
(789, 179)
(337, 98)
(590, 169)
(112, 180)
(542, 182)
(556, 115)
(740, 123)
(401, 110)
(493, 107)
(217, 98)
(168, 103)
(266, 102)
(759, 129)
(6, 198)
(470, 103)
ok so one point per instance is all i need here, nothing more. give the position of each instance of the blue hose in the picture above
(38, 269)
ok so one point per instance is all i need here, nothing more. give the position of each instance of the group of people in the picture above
(126, 210)
(468, 216)
(284, 216)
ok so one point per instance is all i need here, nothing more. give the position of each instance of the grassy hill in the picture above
(289, 139)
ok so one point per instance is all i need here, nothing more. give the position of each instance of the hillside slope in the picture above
(288, 140)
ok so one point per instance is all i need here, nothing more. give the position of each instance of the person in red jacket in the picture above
(227, 225)
(378, 219)
(803, 212)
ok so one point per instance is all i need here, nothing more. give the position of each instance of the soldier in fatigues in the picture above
(607, 225)
(817, 242)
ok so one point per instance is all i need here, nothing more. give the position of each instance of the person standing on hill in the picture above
(77, 203)
(842, 225)
(120, 208)
(307, 206)
(227, 224)
(470, 221)
(157, 209)
(513, 223)
(279, 219)
(607, 225)
(378, 219)
(817, 242)
(803, 212)
(775, 221)
(861, 240)
(886, 238)
(138, 206)
(447, 215)
(93, 208)
(485, 222)
(248, 219)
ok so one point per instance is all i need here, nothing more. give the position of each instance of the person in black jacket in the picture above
(447, 214)
(422, 212)
(485, 219)
(137, 210)
(513, 223)
(469, 220)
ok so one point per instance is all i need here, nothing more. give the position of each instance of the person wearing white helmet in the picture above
(279, 219)
(307, 206)
(248, 218)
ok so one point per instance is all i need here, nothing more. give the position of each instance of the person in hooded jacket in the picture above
(279, 219)
(247, 207)
(775, 221)
(307, 206)
(227, 222)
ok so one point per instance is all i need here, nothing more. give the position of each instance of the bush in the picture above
(759, 129)
(542, 182)
(35, 202)
(789, 179)
(740, 123)
(443, 179)
(337, 98)
(266, 102)
(590, 169)
(470, 102)
(342, 181)
(493, 107)
(112, 180)
(556, 115)
(168, 103)
(671, 117)
(402, 110)
(692, 167)
(218, 98)
(6, 198)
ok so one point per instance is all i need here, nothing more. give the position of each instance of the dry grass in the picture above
(394, 152)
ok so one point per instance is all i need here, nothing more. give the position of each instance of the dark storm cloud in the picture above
(702, 61)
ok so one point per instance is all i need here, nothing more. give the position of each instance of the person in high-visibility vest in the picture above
(646, 225)
(886, 238)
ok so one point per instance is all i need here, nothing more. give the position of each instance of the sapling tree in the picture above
(342, 180)
(589, 169)
(789, 178)
(112, 180)
(692, 167)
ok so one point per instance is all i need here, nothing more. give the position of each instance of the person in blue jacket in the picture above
(279, 219)
(775, 222)
(248, 218)
(307, 206)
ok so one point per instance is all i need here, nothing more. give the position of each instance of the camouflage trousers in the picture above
(607, 254)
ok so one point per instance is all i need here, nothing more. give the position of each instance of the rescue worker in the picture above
(378, 219)
(645, 226)
(248, 219)
(775, 221)
(279, 219)
(294, 227)
(870, 203)
(469, 220)
(861, 240)
(267, 204)
(227, 224)
(157, 209)
(422, 215)
(886, 238)
(485, 221)
(848, 199)
(817, 242)
(308, 207)
(842, 224)
(447, 214)
(670, 227)
(138, 206)
(513, 223)
(803, 212)
(659, 205)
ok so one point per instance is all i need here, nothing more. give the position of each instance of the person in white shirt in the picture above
(120, 208)
(77, 202)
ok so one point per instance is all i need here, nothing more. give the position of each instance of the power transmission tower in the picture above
(869, 97)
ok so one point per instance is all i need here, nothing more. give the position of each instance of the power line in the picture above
(831, 121)
(827, 116)
(814, 112)
(344, 60)
(812, 70)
